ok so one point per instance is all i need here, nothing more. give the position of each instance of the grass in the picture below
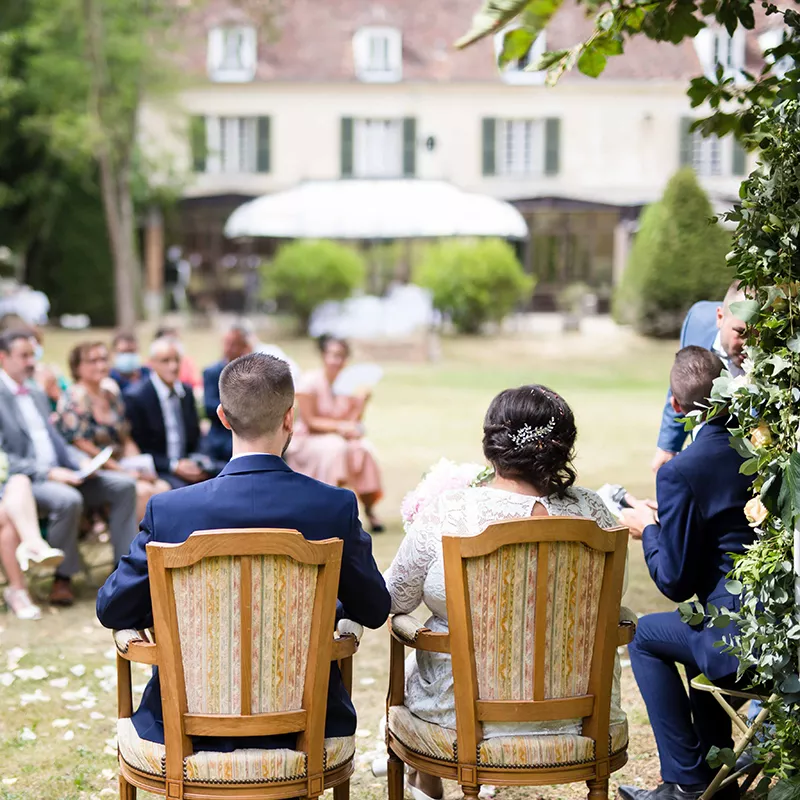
(614, 381)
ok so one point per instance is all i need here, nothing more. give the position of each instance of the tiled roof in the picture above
(311, 41)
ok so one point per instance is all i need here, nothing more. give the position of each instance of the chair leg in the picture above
(395, 776)
(342, 791)
(598, 789)
(471, 792)
(127, 791)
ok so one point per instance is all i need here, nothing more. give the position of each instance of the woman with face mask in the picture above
(127, 367)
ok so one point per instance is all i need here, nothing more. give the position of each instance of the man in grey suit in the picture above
(35, 449)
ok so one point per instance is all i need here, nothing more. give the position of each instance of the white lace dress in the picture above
(417, 576)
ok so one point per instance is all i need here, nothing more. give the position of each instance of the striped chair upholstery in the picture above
(208, 603)
(503, 591)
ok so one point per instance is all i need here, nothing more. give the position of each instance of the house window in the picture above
(520, 147)
(771, 39)
(378, 55)
(378, 148)
(515, 72)
(716, 47)
(232, 56)
(706, 155)
(235, 146)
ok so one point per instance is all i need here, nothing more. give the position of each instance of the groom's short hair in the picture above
(692, 377)
(255, 392)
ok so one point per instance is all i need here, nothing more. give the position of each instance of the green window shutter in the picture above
(489, 129)
(197, 138)
(347, 147)
(409, 147)
(552, 145)
(263, 154)
(739, 166)
(686, 142)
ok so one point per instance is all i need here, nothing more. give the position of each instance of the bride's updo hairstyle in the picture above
(529, 435)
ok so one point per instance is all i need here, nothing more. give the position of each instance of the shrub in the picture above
(474, 282)
(305, 274)
(678, 257)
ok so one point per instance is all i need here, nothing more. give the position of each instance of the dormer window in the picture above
(232, 55)
(378, 55)
(517, 71)
(715, 47)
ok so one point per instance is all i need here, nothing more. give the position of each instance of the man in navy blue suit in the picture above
(701, 497)
(236, 343)
(255, 490)
(714, 327)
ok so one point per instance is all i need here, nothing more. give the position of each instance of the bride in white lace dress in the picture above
(529, 436)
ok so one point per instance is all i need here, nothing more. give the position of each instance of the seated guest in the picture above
(255, 490)
(127, 367)
(21, 542)
(688, 548)
(34, 448)
(48, 377)
(163, 417)
(235, 344)
(91, 416)
(329, 442)
(189, 373)
(533, 477)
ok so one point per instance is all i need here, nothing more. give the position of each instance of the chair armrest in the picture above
(412, 633)
(134, 645)
(346, 639)
(627, 626)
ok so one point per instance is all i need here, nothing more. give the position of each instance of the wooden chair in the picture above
(244, 640)
(533, 609)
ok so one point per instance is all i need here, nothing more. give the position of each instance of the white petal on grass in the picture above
(69, 736)
(6, 679)
(37, 697)
(96, 715)
(139, 687)
(112, 743)
(15, 655)
(27, 735)
(367, 681)
(108, 791)
(81, 694)
(109, 751)
(37, 673)
(111, 654)
(108, 774)
(78, 670)
(61, 723)
(84, 727)
(363, 733)
(59, 683)
(9, 781)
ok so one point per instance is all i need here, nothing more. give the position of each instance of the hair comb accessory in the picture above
(526, 434)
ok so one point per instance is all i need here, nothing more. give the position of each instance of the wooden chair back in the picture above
(533, 608)
(244, 622)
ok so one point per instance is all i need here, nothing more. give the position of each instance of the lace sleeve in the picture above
(405, 578)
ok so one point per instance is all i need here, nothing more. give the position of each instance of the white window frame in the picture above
(515, 73)
(711, 156)
(378, 148)
(520, 148)
(231, 145)
(714, 41)
(774, 38)
(370, 67)
(220, 42)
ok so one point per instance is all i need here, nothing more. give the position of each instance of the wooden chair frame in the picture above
(179, 725)
(471, 712)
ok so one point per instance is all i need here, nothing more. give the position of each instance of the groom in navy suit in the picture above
(255, 490)
(701, 497)
(712, 326)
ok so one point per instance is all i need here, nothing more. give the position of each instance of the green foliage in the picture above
(734, 103)
(677, 258)
(307, 273)
(765, 404)
(474, 282)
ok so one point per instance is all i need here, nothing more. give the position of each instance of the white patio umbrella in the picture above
(375, 209)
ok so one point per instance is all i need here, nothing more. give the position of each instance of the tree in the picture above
(474, 282)
(734, 105)
(677, 258)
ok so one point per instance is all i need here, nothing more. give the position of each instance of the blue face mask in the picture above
(38, 352)
(127, 363)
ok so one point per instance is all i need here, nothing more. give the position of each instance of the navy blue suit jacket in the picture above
(255, 491)
(124, 381)
(218, 442)
(699, 328)
(701, 497)
(143, 409)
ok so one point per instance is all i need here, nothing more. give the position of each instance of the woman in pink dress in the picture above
(329, 442)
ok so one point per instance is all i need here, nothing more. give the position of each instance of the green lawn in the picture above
(615, 383)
